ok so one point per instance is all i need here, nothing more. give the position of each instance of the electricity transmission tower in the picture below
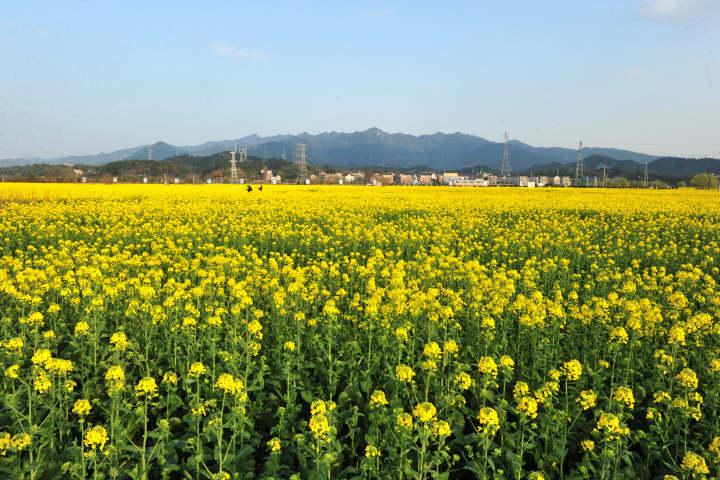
(300, 151)
(233, 166)
(646, 174)
(579, 167)
(149, 152)
(505, 168)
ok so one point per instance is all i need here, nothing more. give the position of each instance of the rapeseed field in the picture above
(204, 332)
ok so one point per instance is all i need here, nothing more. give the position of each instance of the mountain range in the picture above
(372, 147)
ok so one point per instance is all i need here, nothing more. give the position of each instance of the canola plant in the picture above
(204, 332)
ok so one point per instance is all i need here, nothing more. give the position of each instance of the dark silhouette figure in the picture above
(249, 188)
(260, 188)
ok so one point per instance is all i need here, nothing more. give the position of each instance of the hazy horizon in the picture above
(80, 78)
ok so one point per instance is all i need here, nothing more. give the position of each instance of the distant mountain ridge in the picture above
(372, 147)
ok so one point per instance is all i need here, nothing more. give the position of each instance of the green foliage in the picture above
(704, 181)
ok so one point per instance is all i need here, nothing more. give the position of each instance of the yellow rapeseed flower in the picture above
(146, 387)
(694, 464)
(587, 399)
(96, 437)
(687, 378)
(404, 421)
(82, 329)
(404, 373)
(274, 445)
(377, 399)
(572, 369)
(487, 366)
(197, 369)
(12, 371)
(488, 420)
(425, 411)
(81, 407)
(624, 396)
(119, 341)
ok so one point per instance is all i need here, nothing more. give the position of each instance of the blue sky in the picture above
(85, 77)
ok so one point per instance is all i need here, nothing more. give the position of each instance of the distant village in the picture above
(483, 179)
(359, 177)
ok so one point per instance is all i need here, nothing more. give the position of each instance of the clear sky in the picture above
(92, 76)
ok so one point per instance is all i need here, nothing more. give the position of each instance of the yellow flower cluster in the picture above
(197, 369)
(488, 421)
(119, 341)
(624, 396)
(320, 425)
(572, 370)
(487, 366)
(82, 329)
(687, 378)
(115, 379)
(371, 451)
(82, 407)
(528, 406)
(14, 345)
(274, 445)
(425, 412)
(146, 388)
(230, 385)
(404, 373)
(695, 465)
(608, 425)
(432, 350)
(96, 437)
(507, 363)
(587, 399)
(404, 421)
(170, 378)
(463, 380)
(377, 399)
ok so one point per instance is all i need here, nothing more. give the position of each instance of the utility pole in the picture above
(579, 166)
(646, 174)
(149, 152)
(604, 184)
(300, 152)
(505, 169)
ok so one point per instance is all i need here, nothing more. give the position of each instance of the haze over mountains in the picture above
(372, 147)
